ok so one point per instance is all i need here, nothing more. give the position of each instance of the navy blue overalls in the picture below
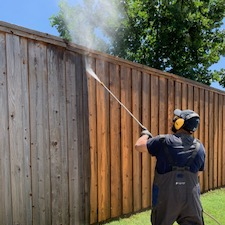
(176, 194)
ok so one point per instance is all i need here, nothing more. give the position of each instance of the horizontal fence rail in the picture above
(67, 146)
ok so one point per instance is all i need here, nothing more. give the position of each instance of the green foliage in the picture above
(59, 22)
(181, 37)
(176, 36)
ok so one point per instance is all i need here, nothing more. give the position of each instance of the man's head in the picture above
(185, 119)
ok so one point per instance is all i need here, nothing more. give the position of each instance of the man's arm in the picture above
(141, 144)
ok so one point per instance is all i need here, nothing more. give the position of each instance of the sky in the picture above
(35, 14)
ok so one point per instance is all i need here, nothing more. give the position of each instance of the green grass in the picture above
(213, 203)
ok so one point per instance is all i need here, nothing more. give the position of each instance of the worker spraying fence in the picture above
(182, 173)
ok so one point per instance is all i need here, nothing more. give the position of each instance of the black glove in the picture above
(146, 132)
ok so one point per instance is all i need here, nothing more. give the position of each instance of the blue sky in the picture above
(35, 14)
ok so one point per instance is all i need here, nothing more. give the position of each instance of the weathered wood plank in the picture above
(19, 128)
(40, 158)
(5, 173)
(84, 143)
(26, 128)
(75, 195)
(58, 132)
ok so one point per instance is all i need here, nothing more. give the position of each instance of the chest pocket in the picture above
(172, 163)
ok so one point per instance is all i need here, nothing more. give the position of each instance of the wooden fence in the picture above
(121, 178)
(67, 147)
(44, 147)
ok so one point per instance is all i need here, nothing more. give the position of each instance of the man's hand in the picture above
(146, 132)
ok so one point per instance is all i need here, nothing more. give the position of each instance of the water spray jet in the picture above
(90, 71)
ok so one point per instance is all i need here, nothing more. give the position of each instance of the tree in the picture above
(176, 36)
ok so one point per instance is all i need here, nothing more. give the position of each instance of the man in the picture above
(179, 158)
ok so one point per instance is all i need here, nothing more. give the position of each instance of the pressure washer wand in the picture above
(92, 73)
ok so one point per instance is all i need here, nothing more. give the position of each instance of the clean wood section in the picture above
(67, 146)
(146, 162)
(126, 142)
(115, 143)
(137, 163)
(103, 143)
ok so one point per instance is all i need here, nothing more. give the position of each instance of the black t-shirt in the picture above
(178, 150)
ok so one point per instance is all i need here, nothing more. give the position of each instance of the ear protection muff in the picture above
(178, 122)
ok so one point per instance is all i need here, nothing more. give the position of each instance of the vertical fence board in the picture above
(190, 97)
(58, 140)
(26, 128)
(178, 95)
(215, 140)
(75, 201)
(195, 107)
(18, 127)
(5, 175)
(40, 162)
(201, 127)
(83, 139)
(115, 142)
(126, 142)
(206, 140)
(163, 105)
(171, 104)
(154, 117)
(103, 143)
(211, 140)
(136, 109)
(93, 147)
(146, 165)
(223, 142)
(220, 141)
(184, 96)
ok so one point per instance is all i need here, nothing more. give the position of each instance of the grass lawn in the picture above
(213, 203)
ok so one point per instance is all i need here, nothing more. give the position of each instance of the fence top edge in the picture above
(69, 46)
